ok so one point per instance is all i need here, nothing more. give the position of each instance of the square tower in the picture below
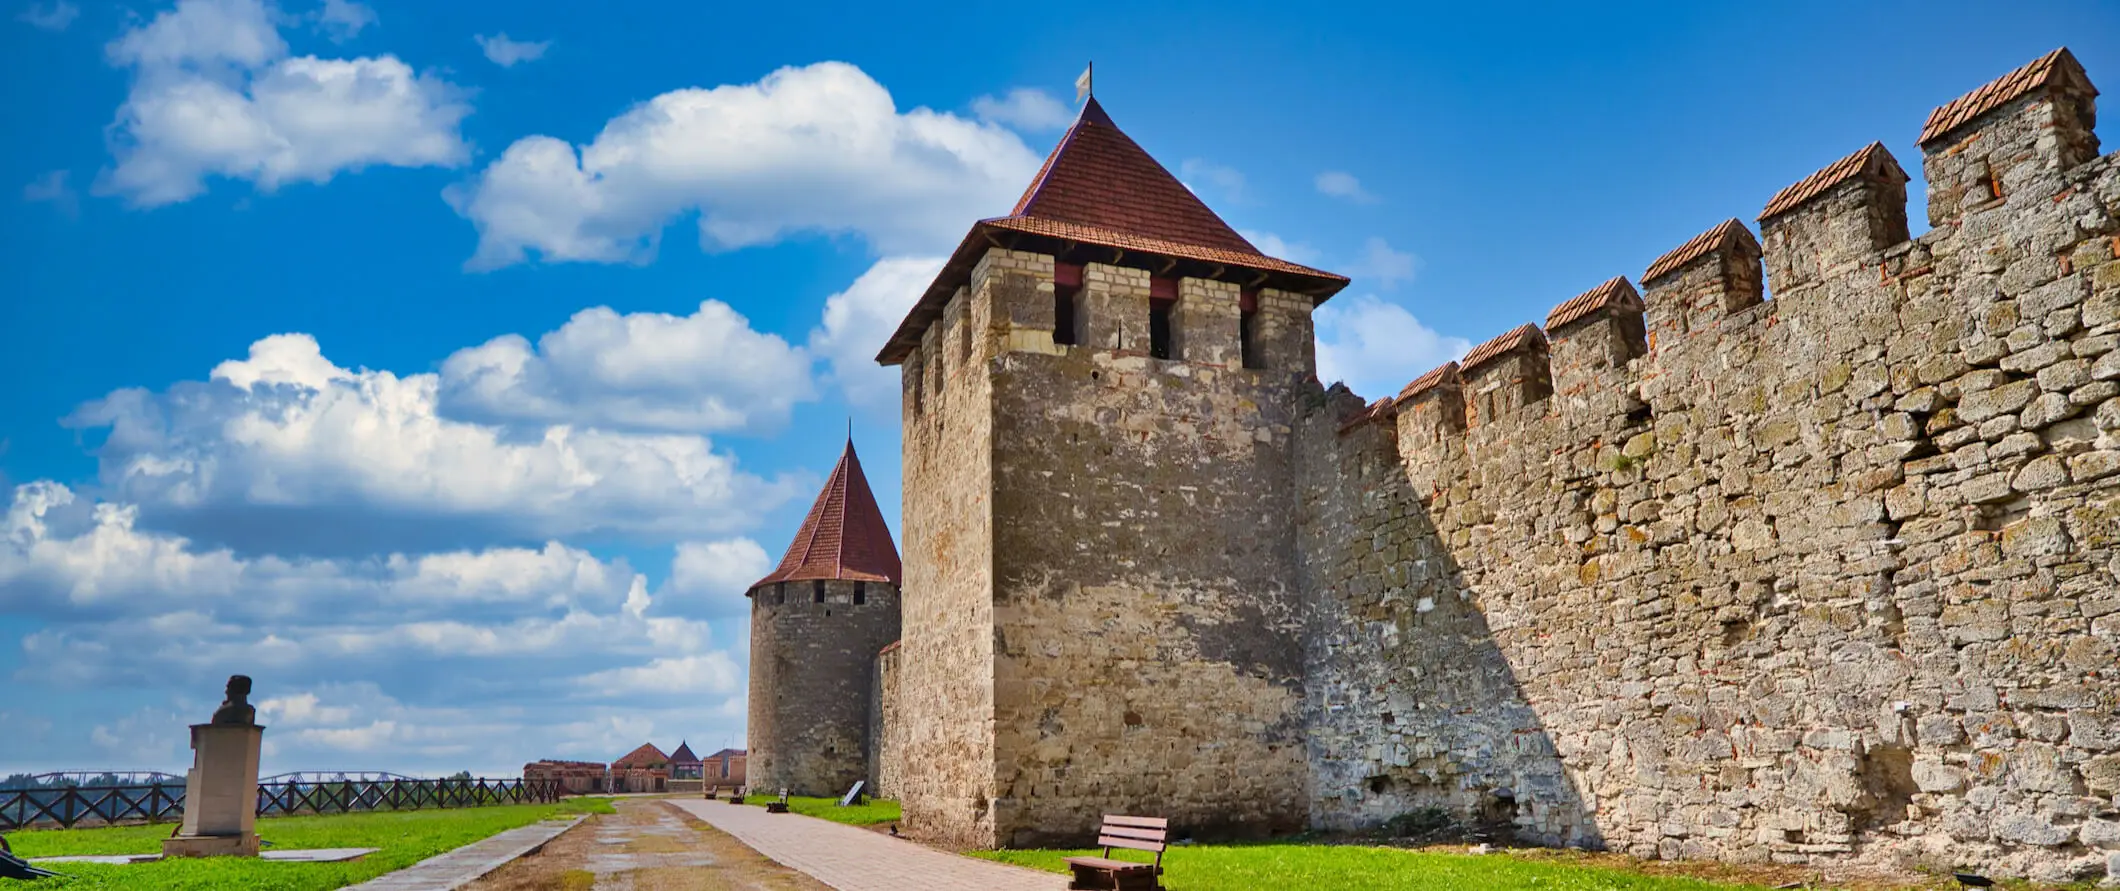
(1101, 611)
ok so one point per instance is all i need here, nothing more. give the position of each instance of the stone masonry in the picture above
(1686, 572)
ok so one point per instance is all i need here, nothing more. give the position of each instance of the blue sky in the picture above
(452, 367)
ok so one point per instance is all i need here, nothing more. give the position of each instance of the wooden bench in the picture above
(713, 793)
(1135, 833)
(778, 807)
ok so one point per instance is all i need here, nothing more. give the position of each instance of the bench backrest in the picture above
(1138, 833)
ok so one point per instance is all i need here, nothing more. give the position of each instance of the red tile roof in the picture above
(2003, 90)
(1382, 408)
(1872, 160)
(683, 755)
(1725, 233)
(1616, 292)
(844, 536)
(1099, 188)
(1523, 336)
(645, 756)
(1446, 374)
(1097, 176)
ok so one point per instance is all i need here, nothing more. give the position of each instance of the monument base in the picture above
(245, 845)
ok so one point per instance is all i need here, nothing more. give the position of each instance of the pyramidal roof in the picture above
(683, 755)
(1101, 198)
(1099, 177)
(844, 536)
(644, 756)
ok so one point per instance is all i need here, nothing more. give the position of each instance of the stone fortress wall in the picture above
(1687, 573)
(1697, 574)
(813, 650)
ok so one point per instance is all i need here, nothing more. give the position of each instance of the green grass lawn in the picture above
(868, 813)
(405, 837)
(1350, 867)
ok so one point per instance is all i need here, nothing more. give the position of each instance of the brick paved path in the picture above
(853, 859)
(464, 865)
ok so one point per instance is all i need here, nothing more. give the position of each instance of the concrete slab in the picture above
(461, 867)
(852, 859)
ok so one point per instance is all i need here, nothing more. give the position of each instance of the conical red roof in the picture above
(1099, 188)
(844, 537)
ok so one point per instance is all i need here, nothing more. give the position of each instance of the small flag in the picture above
(1082, 83)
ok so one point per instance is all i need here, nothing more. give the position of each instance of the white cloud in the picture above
(286, 449)
(859, 319)
(343, 19)
(1377, 347)
(717, 569)
(685, 675)
(704, 372)
(502, 51)
(814, 149)
(1024, 108)
(52, 17)
(1228, 180)
(214, 93)
(1275, 246)
(149, 736)
(52, 188)
(475, 659)
(1380, 262)
(1341, 184)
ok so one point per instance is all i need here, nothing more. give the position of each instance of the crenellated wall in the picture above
(1829, 577)
(1686, 572)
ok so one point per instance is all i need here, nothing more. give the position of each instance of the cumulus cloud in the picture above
(1379, 262)
(1275, 246)
(859, 319)
(1024, 108)
(285, 451)
(1227, 180)
(343, 19)
(52, 188)
(709, 578)
(505, 52)
(505, 654)
(215, 93)
(815, 149)
(1378, 347)
(1341, 184)
(50, 17)
(704, 372)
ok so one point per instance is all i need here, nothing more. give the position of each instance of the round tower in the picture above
(817, 624)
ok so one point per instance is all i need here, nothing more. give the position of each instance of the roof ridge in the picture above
(2001, 91)
(1840, 171)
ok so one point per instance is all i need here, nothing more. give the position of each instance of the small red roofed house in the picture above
(645, 769)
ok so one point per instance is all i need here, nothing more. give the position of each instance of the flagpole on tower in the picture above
(1082, 90)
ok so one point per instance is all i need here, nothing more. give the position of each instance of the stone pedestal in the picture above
(220, 793)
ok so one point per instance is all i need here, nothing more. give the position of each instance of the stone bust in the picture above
(236, 709)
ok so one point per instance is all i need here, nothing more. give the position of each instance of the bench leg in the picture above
(1088, 878)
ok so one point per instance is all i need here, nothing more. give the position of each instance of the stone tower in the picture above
(817, 623)
(1103, 612)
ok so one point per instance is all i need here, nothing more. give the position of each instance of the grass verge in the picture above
(404, 837)
(872, 812)
(1352, 867)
